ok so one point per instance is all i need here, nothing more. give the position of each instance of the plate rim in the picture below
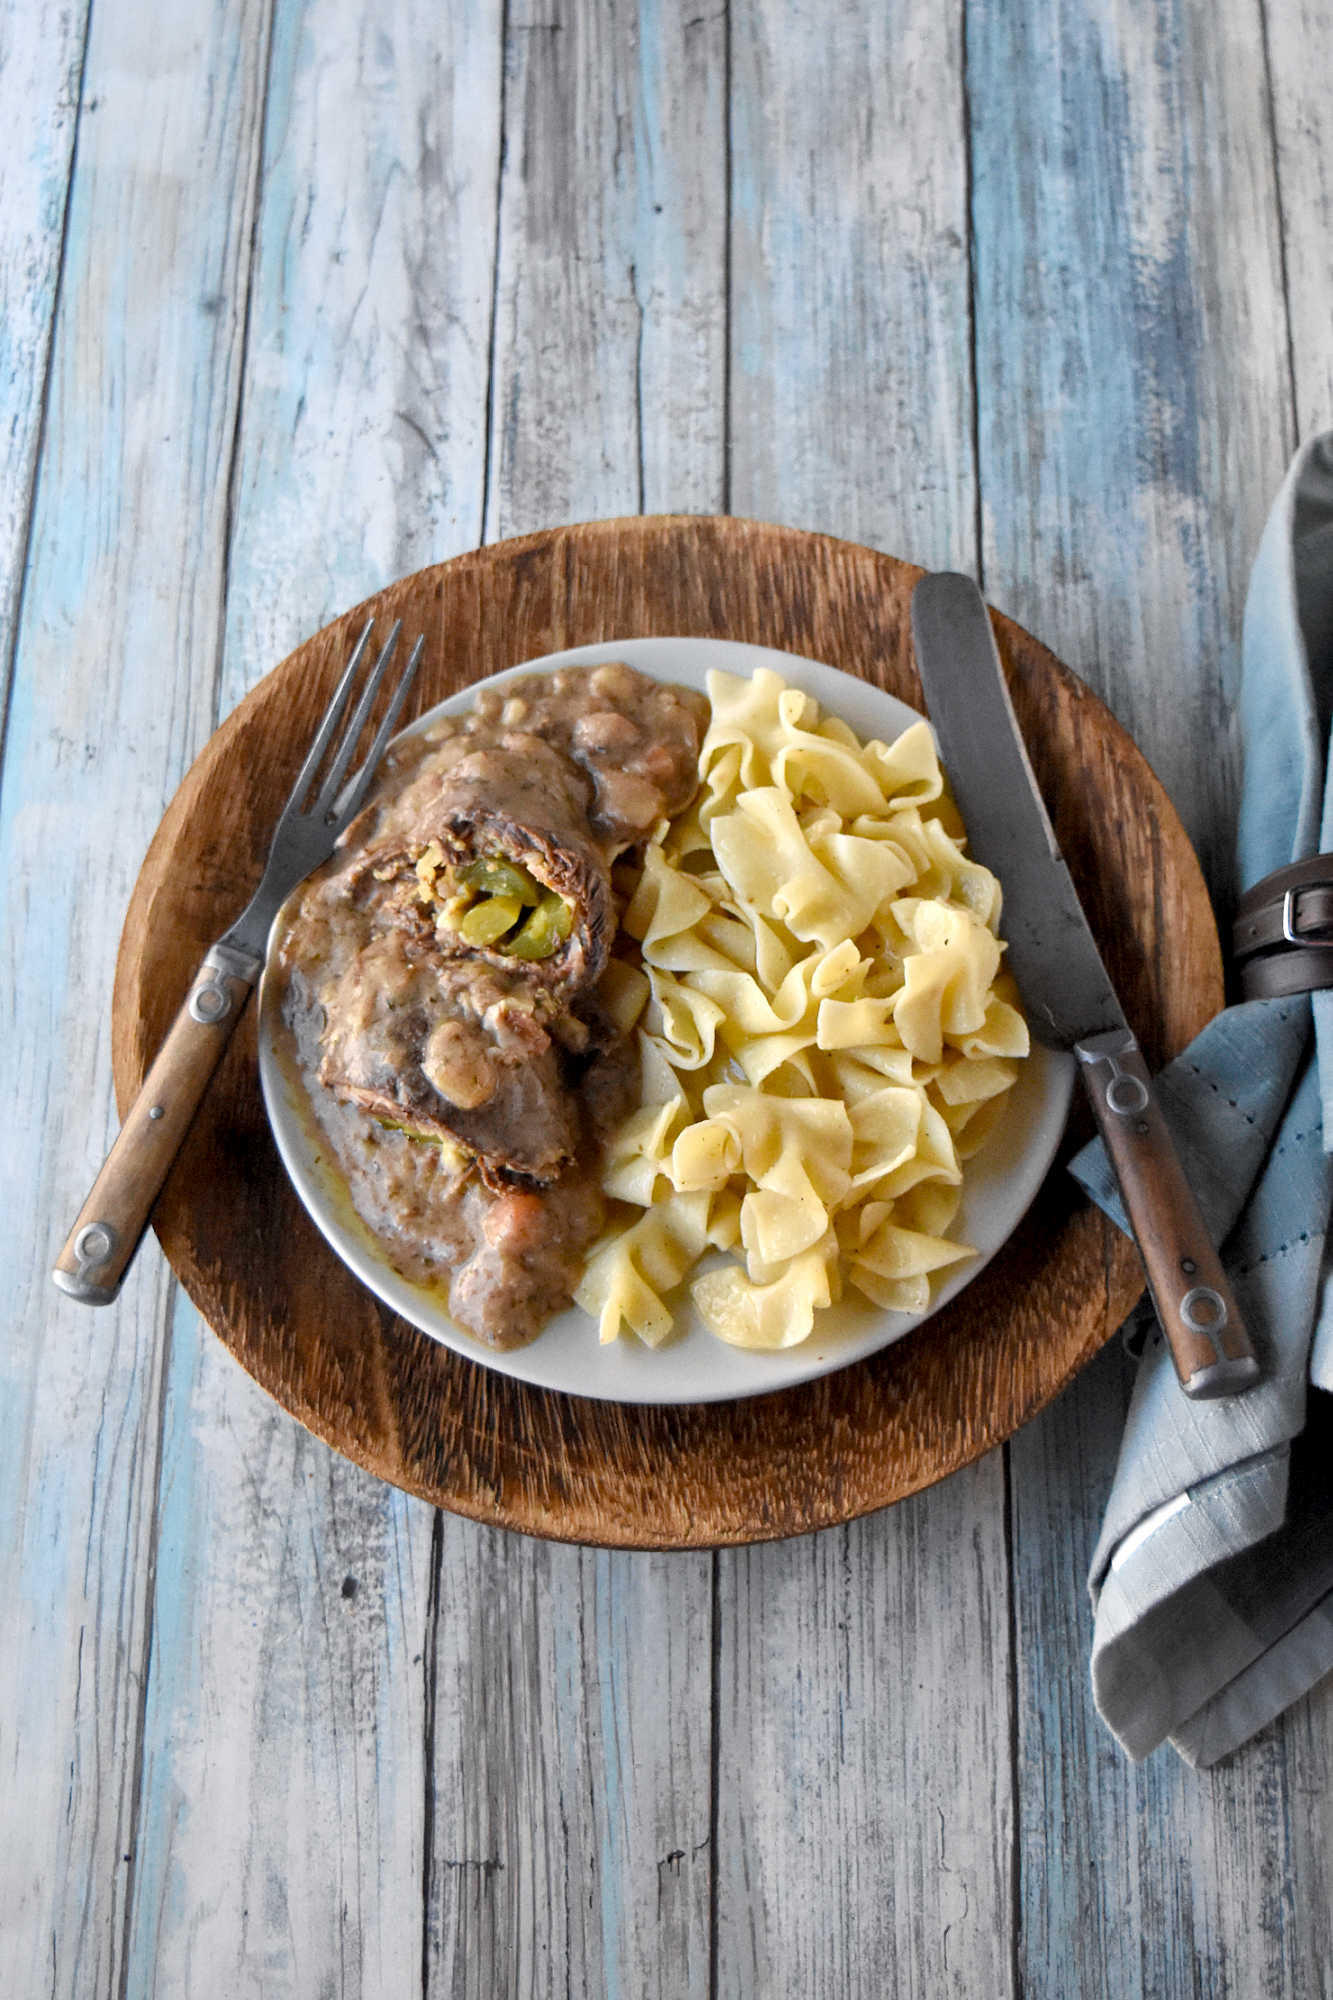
(1047, 1076)
(487, 1447)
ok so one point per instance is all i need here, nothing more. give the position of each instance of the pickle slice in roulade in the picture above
(491, 856)
(490, 920)
(494, 876)
(543, 931)
(496, 902)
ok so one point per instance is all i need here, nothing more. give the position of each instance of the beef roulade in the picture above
(442, 979)
(488, 857)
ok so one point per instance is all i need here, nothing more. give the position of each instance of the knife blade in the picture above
(1067, 993)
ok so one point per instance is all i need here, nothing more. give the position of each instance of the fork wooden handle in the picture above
(1189, 1288)
(99, 1248)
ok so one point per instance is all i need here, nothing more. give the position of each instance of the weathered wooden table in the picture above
(298, 297)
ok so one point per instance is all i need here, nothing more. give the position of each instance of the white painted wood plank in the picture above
(112, 693)
(284, 1800)
(1151, 1878)
(1300, 48)
(1122, 506)
(1297, 1869)
(610, 319)
(851, 400)
(364, 436)
(1132, 360)
(570, 1846)
(282, 1810)
(864, 1817)
(864, 1805)
(41, 57)
(571, 1713)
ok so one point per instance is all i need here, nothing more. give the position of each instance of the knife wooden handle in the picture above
(99, 1247)
(1189, 1288)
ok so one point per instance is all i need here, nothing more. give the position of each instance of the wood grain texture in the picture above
(1300, 56)
(1211, 1348)
(1300, 1894)
(610, 306)
(111, 695)
(850, 407)
(1133, 1874)
(733, 255)
(570, 1696)
(41, 60)
(570, 1847)
(1128, 281)
(281, 1833)
(863, 1836)
(115, 1214)
(850, 377)
(456, 1433)
(363, 441)
(286, 1768)
(1129, 304)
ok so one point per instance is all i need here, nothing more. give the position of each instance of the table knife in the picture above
(1067, 992)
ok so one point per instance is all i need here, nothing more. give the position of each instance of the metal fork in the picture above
(98, 1250)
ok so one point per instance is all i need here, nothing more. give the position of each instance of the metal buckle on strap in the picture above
(1307, 940)
(1282, 937)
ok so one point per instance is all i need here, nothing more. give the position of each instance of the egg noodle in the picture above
(824, 1030)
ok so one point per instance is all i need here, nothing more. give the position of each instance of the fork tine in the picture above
(360, 784)
(332, 717)
(326, 800)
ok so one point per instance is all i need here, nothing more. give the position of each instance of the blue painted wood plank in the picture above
(1133, 411)
(1152, 1878)
(864, 1811)
(285, 1795)
(112, 692)
(363, 447)
(41, 62)
(571, 1845)
(1132, 417)
(1134, 420)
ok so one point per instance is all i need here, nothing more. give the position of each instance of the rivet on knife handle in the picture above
(1189, 1288)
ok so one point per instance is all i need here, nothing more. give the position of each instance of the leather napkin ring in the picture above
(1282, 938)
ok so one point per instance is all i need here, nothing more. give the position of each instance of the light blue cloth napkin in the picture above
(1212, 1581)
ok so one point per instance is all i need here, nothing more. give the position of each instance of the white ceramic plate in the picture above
(692, 1367)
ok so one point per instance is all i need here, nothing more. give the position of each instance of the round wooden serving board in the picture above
(475, 1441)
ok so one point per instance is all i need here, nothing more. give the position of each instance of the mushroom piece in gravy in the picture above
(441, 982)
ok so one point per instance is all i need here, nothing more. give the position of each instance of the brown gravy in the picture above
(464, 1091)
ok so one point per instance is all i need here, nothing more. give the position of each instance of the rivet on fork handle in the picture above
(97, 1253)
(98, 1250)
